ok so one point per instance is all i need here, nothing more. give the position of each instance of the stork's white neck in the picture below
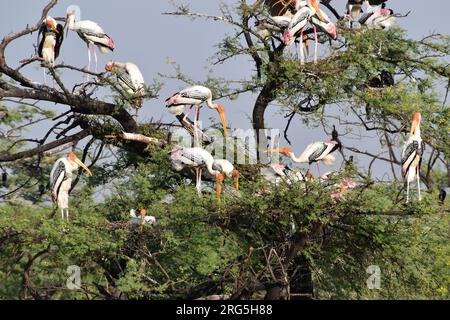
(417, 131)
(209, 167)
(71, 22)
(210, 103)
(297, 160)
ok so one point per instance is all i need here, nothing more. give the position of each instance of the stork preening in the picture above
(198, 159)
(195, 96)
(61, 181)
(130, 79)
(50, 39)
(93, 35)
(412, 155)
(227, 169)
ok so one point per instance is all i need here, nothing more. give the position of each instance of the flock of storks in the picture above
(285, 20)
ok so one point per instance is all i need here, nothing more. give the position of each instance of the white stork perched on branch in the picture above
(93, 35)
(412, 155)
(195, 96)
(130, 79)
(197, 158)
(61, 180)
(315, 152)
(321, 21)
(308, 13)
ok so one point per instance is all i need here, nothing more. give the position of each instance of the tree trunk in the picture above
(265, 97)
(296, 247)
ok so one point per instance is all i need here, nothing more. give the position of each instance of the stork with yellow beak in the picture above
(412, 155)
(196, 96)
(93, 35)
(130, 79)
(61, 180)
(315, 152)
(198, 159)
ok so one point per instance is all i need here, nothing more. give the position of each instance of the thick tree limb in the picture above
(32, 152)
(78, 103)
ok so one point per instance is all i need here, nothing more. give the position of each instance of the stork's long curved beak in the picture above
(81, 164)
(285, 151)
(413, 127)
(223, 119)
(219, 179)
(236, 180)
(275, 150)
(318, 11)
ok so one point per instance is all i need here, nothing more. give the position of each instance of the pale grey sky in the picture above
(146, 37)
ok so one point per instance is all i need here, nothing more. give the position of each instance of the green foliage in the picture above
(197, 241)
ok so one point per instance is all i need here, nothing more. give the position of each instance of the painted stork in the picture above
(197, 158)
(297, 22)
(378, 19)
(130, 78)
(61, 180)
(412, 155)
(227, 169)
(195, 96)
(50, 39)
(315, 152)
(93, 35)
(316, 17)
(178, 112)
(141, 218)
